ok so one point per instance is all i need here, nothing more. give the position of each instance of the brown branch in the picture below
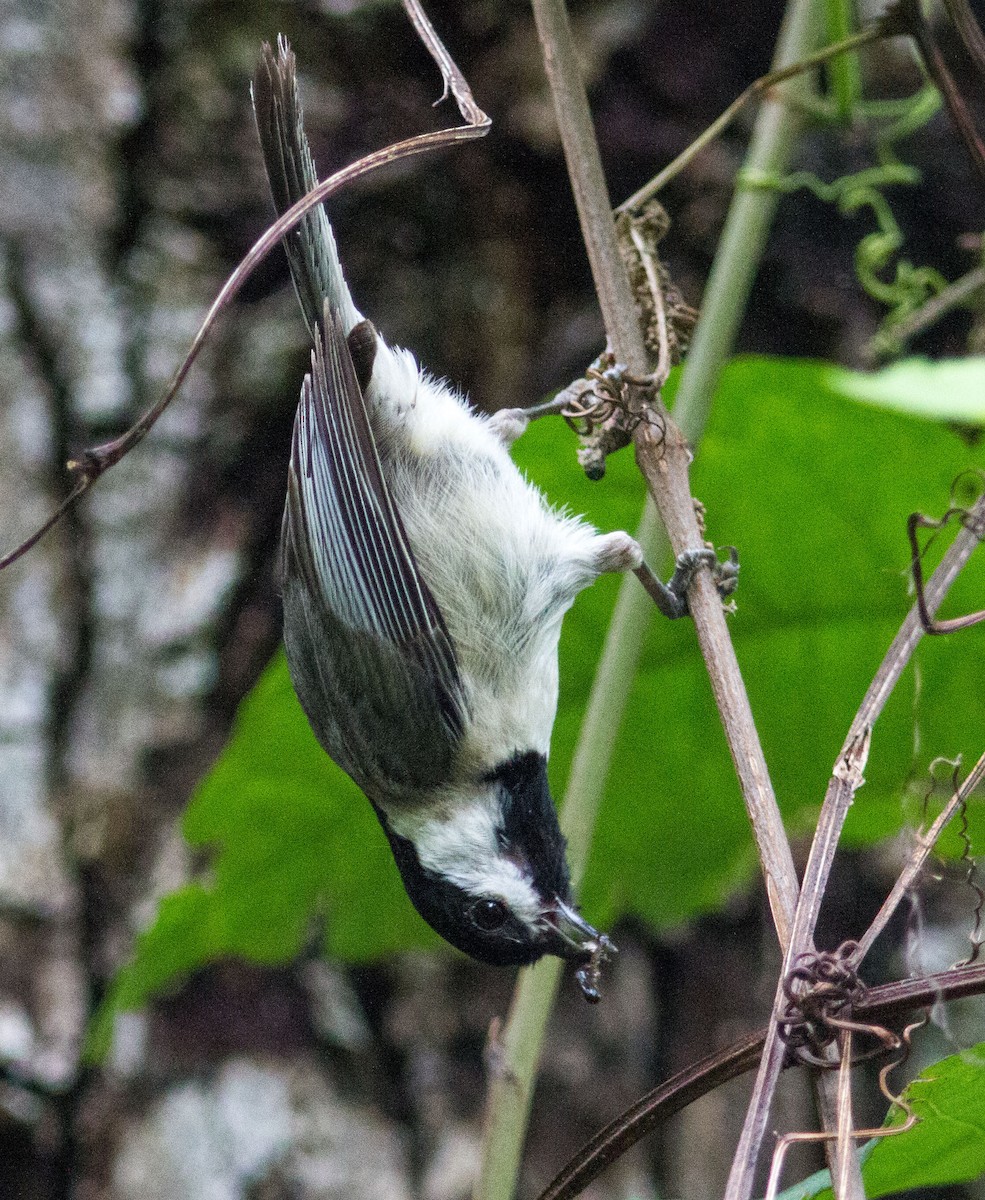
(455, 82)
(889, 1003)
(663, 454)
(846, 778)
(93, 463)
(919, 29)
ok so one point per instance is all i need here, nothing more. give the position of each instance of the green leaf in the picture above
(945, 1146)
(814, 489)
(948, 391)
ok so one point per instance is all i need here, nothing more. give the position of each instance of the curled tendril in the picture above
(821, 990)
(900, 1101)
(972, 519)
(609, 392)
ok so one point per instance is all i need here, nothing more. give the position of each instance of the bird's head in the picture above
(485, 866)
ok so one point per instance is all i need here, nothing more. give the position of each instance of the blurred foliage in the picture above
(815, 490)
(945, 1146)
(950, 390)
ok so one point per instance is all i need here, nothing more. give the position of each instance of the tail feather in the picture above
(311, 249)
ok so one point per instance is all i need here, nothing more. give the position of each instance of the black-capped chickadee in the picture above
(424, 582)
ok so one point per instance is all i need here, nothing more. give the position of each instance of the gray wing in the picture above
(367, 646)
(311, 250)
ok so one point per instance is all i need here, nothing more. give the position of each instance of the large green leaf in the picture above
(814, 489)
(945, 1146)
(949, 391)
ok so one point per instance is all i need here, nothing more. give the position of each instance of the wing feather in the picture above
(311, 250)
(365, 639)
(364, 634)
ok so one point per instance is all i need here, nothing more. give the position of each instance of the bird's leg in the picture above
(509, 423)
(671, 597)
(571, 402)
(616, 552)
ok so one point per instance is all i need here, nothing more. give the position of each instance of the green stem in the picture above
(746, 228)
(608, 699)
(516, 1059)
(844, 72)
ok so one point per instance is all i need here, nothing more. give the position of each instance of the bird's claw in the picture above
(726, 574)
(671, 597)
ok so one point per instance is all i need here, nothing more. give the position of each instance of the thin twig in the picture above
(846, 1131)
(938, 306)
(81, 485)
(846, 778)
(455, 82)
(93, 463)
(662, 369)
(888, 1003)
(925, 842)
(758, 88)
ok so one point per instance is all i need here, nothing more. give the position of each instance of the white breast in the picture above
(501, 563)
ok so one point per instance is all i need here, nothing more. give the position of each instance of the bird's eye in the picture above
(488, 915)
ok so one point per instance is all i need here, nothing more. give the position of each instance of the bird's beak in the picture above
(570, 936)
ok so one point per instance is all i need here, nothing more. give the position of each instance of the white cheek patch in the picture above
(504, 880)
(464, 849)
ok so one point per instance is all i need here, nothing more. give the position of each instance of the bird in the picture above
(424, 580)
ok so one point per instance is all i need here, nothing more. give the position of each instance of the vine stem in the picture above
(665, 467)
(757, 89)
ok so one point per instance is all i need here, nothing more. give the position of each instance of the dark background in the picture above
(131, 186)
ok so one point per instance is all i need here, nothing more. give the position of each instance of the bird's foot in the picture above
(671, 597)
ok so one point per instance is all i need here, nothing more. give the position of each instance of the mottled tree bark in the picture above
(130, 185)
